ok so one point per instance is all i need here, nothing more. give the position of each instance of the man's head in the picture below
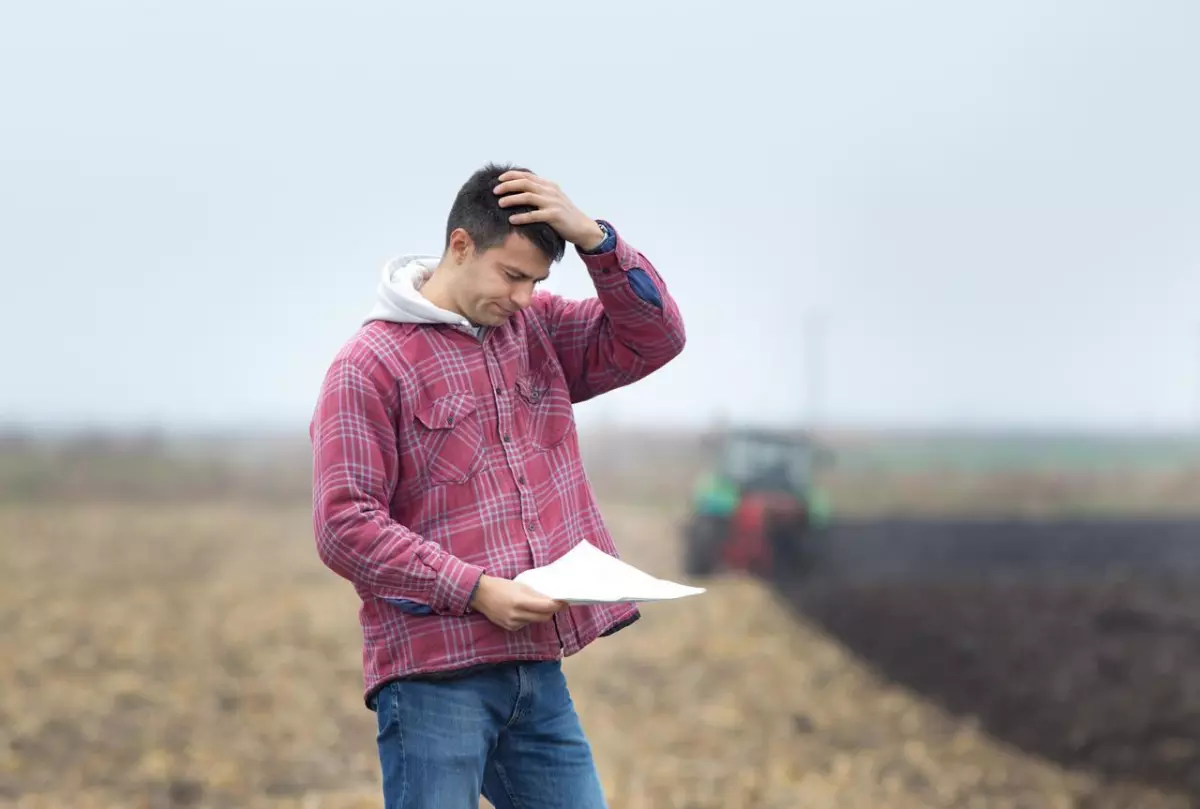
(490, 266)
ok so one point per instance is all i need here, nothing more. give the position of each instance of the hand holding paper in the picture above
(588, 575)
(511, 605)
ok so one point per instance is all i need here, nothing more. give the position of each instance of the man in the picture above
(446, 462)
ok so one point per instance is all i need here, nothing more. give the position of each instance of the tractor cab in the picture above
(749, 461)
(761, 460)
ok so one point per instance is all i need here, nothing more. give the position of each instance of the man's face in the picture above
(493, 285)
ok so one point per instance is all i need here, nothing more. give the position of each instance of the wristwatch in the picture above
(608, 238)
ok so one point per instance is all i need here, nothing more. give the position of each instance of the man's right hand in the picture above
(512, 606)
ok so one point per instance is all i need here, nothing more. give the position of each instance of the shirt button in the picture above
(520, 479)
(507, 438)
(529, 525)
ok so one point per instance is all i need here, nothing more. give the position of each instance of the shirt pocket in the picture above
(546, 406)
(450, 434)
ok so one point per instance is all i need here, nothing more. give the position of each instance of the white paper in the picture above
(588, 575)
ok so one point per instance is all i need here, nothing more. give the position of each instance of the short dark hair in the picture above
(477, 210)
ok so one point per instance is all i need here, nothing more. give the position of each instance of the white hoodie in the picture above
(398, 298)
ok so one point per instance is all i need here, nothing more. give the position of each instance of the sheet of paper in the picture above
(588, 575)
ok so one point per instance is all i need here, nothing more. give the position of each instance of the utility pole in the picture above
(814, 369)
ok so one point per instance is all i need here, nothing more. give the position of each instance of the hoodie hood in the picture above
(398, 299)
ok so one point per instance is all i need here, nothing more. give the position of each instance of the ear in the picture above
(461, 245)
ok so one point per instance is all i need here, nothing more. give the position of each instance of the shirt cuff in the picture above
(455, 586)
(609, 267)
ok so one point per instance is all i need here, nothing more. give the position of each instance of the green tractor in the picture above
(757, 506)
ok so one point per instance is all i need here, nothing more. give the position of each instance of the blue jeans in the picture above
(509, 733)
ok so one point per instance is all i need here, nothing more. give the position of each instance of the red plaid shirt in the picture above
(439, 456)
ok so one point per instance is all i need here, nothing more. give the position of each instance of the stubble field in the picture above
(193, 653)
(199, 656)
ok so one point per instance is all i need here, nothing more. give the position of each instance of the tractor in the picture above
(758, 507)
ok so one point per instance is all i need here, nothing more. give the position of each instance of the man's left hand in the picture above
(553, 208)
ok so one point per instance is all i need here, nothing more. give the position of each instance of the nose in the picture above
(521, 296)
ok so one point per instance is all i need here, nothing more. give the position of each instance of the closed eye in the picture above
(515, 274)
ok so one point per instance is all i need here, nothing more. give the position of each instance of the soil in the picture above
(198, 655)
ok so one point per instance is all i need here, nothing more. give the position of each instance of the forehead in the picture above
(520, 255)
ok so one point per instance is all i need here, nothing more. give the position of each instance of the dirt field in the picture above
(198, 655)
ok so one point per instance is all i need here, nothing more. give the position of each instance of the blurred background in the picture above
(933, 445)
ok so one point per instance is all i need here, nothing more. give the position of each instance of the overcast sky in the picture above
(993, 208)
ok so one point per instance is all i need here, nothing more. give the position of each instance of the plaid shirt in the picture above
(440, 455)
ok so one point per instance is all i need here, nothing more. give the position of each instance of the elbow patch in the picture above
(411, 607)
(643, 286)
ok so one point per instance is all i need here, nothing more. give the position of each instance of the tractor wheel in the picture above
(787, 537)
(702, 545)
